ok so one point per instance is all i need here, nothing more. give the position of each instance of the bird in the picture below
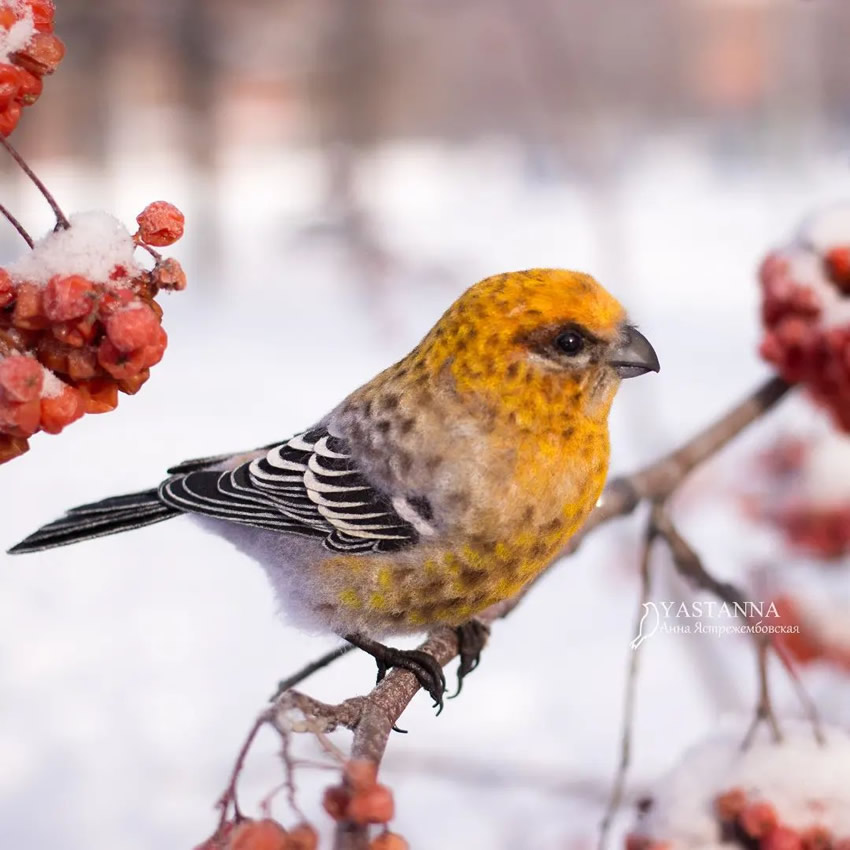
(442, 486)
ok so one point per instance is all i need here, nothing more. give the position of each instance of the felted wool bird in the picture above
(440, 487)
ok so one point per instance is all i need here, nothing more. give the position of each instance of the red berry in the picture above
(373, 806)
(758, 819)
(10, 83)
(20, 419)
(837, 266)
(130, 386)
(335, 801)
(730, 804)
(388, 841)
(43, 12)
(69, 297)
(160, 224)
(152, 354)
(21, 378)
(100, 395)
(29, 309)
(132, 328)
(42, 54)
(9, 118)
(258, 835)
(61, 410)
(7, 289)
(7, 17)
(81, 363)
(781, 838)
(302, 837)
(11, 447)
(816, 838)
(113, 300)
(169, 274)
(120, 364)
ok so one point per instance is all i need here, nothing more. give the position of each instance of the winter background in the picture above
(346, 171)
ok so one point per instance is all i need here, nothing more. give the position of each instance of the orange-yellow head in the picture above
(537, 345)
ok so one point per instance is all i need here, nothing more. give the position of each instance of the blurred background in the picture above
(346, 168)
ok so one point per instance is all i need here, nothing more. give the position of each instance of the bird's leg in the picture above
(423, 665)
(471, 639)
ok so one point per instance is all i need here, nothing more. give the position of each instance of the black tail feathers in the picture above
(109, 516)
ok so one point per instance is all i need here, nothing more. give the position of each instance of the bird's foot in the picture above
(423, 665)
(471, 639)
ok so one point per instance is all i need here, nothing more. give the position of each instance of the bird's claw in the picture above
(423, 665)
(471, 639)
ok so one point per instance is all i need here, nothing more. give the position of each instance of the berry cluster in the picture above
(801, 487)
(754, 824)
(810, 636)
(79, 323)
(28, 52)
(265, 834)
(358, 799)
(806, 311)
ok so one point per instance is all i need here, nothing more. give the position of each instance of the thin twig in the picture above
(229, 795)
(764, 707)
(804, 698)
(309, 669)
(618, 789)
(17, 225)
(61, 220)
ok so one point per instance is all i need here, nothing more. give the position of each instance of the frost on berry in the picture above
(68, 297)
(21, 378)
(133, 327)
(806, 311)
(160, 224)
(169, 274)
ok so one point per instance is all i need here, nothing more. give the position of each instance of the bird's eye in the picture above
(570, 343)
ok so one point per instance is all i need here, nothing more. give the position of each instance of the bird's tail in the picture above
(109, 516)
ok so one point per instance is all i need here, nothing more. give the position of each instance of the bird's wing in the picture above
(310, 486)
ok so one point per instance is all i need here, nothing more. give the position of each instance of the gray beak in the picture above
(633, 355)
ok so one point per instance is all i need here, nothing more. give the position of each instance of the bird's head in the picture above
(541, 343)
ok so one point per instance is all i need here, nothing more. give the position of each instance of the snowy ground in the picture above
(131, 667)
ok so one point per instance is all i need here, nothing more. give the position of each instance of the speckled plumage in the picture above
(485, 449)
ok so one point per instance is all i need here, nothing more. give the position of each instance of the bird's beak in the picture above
(633, 355)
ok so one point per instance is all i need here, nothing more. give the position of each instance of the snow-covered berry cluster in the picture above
(29, 51)
(791, 795)
(806, 311)
(79, 323)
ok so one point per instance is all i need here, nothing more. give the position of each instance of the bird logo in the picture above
(648, 625)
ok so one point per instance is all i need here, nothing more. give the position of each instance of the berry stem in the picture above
(17, 225)
(61, 220)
